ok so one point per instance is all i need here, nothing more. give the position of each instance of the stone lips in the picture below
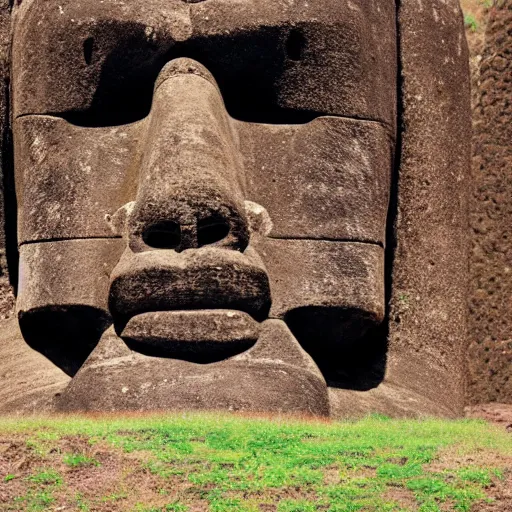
(275, 375)
(205, 278)
(202, 336)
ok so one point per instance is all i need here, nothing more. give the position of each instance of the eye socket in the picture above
(163, 235)
(250, 68)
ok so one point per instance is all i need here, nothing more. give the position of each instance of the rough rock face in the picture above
(31, 381)
(239, 209)
(427, 324)
(490, 351)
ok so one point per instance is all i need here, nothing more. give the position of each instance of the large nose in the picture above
(190, 190)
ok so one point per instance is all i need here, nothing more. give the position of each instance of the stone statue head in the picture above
(203, 189)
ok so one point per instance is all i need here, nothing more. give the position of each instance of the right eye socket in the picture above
(124, 77)
(250, 69)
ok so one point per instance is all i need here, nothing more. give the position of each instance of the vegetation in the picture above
(229, 463)
(475, 14)
(470, 22)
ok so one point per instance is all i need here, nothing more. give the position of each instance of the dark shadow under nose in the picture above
(210, 230)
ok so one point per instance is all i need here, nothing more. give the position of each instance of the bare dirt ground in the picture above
(499, 414)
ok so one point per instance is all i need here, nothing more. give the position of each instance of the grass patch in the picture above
(470, 22)
(229, 463)
(75, 460)
(46, 477)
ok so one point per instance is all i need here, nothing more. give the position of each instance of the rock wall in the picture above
(490, 351)
(428, 302)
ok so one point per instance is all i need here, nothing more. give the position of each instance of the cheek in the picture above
(325, 186)
(69, 179)
(329, 179)
(62, 297)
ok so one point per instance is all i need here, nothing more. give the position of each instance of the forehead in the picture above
(334, 57)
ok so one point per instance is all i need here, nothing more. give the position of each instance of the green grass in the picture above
(470, 22)
(229, 463)
(75, 460)
(46, 477)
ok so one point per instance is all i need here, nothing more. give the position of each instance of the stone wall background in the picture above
(490, 301)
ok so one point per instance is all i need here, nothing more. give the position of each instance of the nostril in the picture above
(211, 230)
(163, 235)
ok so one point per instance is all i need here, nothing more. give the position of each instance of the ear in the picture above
(430, 266)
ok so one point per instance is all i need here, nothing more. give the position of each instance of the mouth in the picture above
(201, 306)
(203, 336)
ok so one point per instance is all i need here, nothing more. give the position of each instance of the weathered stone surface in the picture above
(50, 273)
(490, 320)
(174, 160)
(313, 56)
(328, 179)
(68, 179)
(331, 295)
(388, 400)
(205, 278)
(7, 208)
(429, 286)
(62, 297)
(191, 171)
(276, 375)
(29, 380)
(318, 273)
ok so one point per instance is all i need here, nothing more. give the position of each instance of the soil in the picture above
(501, 491)
(499, 414)
(502, 495)
(112, 480)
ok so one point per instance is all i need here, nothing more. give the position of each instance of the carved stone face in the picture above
(210, 177)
